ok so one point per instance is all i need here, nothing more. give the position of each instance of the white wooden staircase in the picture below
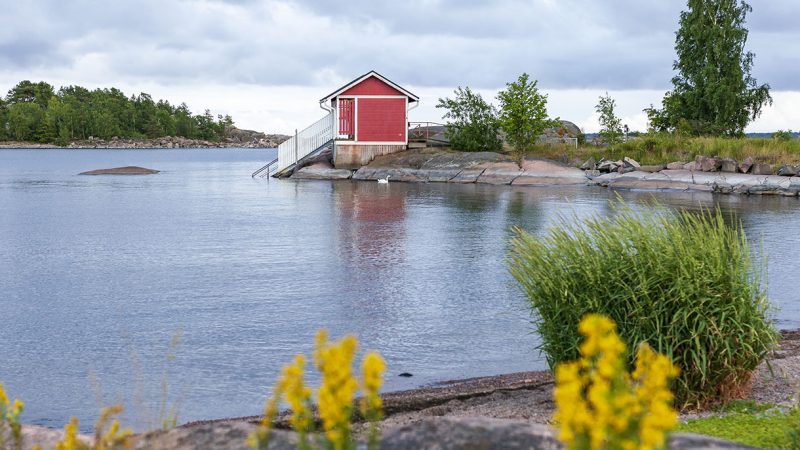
(302, 145)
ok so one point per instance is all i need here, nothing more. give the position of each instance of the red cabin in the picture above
(370, 119)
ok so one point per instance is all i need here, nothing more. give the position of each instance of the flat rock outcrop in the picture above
(429, 165)
(686, 180)
(127, 170)
(322, 171)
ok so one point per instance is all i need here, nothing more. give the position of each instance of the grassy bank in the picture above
(666, 148)
(757, 425)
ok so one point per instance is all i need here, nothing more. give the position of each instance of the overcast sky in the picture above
(267, 62)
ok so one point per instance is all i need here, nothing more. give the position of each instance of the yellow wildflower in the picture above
(600, 405)
(70, 440)
(9, 415)
(335, 396)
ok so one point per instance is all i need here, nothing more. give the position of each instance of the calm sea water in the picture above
(98, 274)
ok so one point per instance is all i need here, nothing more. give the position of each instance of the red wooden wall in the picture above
(381, 119)
(372, 86)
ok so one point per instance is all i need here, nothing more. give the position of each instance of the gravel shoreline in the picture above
(528, 395)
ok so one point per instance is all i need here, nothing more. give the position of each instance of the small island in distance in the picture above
(35, 115)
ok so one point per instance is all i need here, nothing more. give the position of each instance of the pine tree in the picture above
(713, 92)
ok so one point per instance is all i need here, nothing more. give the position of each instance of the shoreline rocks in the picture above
(236, 138)
(426, 165)
(436, 165)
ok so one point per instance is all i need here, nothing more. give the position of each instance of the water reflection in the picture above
(251, 269)
(370, 223)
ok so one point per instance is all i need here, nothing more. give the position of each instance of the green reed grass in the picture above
(683, 282)
(665, 148)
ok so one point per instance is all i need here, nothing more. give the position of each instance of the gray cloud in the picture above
(620, 44)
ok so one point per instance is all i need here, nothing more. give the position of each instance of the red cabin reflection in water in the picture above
(371, 222)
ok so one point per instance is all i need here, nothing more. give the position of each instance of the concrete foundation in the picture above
(350, 156)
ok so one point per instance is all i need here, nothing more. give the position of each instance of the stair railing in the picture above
(305, 142)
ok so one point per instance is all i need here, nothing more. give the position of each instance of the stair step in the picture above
(417, 145)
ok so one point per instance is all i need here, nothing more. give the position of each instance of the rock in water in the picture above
(127, 170)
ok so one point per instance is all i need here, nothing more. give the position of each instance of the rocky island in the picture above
(127, 170)
(705, 174)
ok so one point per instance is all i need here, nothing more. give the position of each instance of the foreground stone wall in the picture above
(437, 433)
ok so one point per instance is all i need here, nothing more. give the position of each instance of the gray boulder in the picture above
(678, 165)
(630, 162)
(761, 169)
(707, 163)
(469, 433)
(474, 433)
(746, 165)
(728, 165)
(590, 164)
(787, 171)
(606, 166)
(216, 435)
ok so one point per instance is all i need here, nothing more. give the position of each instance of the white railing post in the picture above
(304, 142)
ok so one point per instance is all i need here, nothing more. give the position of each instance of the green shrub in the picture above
(682, 282)
(473, 126)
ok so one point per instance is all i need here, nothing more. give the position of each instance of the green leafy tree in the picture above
(523, 114)
(205, 126)
(184, 125)
(783, 135)
(165, 119)
(472, 123)
(28, 92)
(60, 121)
(611, 125)
(3, 120)
(34, 112)
(24, 120)
(78, 100)
(713, 91)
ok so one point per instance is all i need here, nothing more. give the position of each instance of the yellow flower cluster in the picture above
(70, 440)
(9, 416)
(334, 397)
(113, 438)
(372, 370)
(599, 405)
(298, 395)
(104, 439)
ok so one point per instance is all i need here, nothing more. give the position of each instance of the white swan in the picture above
(384, 180)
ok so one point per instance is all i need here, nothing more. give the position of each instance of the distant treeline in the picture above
(36, 112)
